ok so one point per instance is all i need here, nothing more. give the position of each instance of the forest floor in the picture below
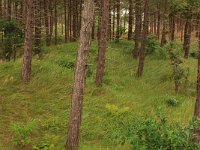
(36, 114)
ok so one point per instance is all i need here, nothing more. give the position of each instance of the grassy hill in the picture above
(40, 110)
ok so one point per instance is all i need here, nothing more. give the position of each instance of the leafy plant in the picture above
(21, 133)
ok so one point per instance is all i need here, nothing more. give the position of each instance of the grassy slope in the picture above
(47, 97)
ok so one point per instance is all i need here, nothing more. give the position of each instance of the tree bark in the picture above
(118, 21)
(102, 42)
(27, 58)
(144, 39)
(158, 21)
(130, 21)
(114, 12)
(37, 29)
(138, 27)
(197, 103)
(55, 22)
(1, 10)
(73, 137)
(65, 18)
(47, 24)
(187, 37)
(164, 30)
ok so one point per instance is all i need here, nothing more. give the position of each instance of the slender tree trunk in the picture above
(47, 24)
(118, 21)
(187, 37)
(55, 22)
(73, 137)
(102, 42)
(93, 28)
(27, 58)
(110, 23)
(114, 12)
(74, 20)
(154, 24)
(158, 21)
(5, 9)
(130, 21)
(65, 18)
(144, 39)
(197, 104)
(164, 30)
(9, 13)
(138, 22)
(172, 27)
(37, 29)
(51, 20)
(1, 10)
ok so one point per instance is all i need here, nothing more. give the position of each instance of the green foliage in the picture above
(63, 62)
(172, 102)
(21, 133)
(180, 72)
(153, 48)
(146, 133)
(13, 37)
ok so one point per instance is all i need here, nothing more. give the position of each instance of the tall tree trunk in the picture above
(55, 22)
(73, 137)
(47, 24)
(51, 20)
(114, 12)
(74, 21)
(187, 37)
(130, 21)
(164, 30)
(93, 28)
(5, 9)
(110, 22)
(37, 29)
(16, 10)
(102, 42)
(154, 24)
(172, 27)
(1, 10)
(118, 21)
(197, 103)
(144, 39)
(158, 21)
(65, 18)
(9, 9)
(27, 58)
(138, 27)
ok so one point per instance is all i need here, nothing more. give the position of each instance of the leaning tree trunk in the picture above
(27, 58)
(187, 37)
(144, 39)
(130, 21)
(102, 42)
(73, 137)
(138, 22)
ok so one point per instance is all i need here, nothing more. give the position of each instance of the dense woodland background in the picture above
(99, 74)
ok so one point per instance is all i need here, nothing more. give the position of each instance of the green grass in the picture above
(47, 97)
